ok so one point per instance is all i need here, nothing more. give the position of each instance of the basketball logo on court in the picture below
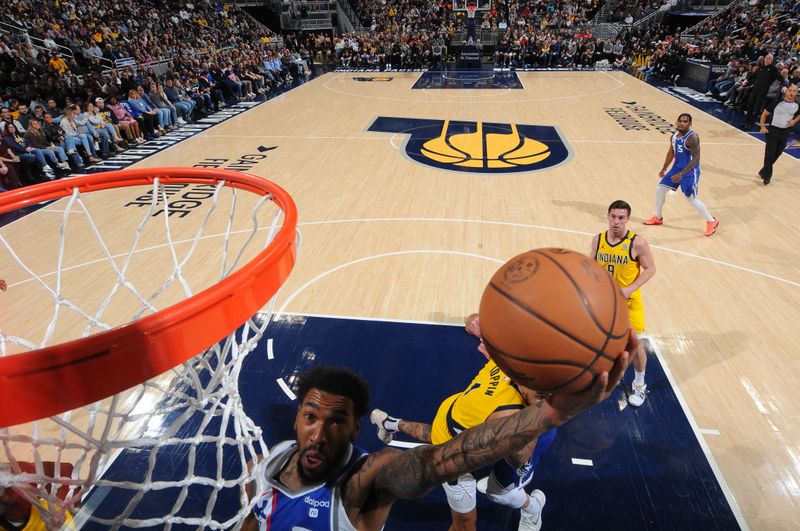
(478, 147)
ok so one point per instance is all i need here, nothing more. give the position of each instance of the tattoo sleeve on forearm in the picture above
(417, 471)
(419, 430)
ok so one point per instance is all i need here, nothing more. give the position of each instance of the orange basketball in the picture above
(553, 319)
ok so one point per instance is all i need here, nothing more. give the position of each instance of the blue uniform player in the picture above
(321, 482)
(317, 505)
(684, 149)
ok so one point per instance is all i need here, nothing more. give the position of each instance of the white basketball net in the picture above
(195, 413)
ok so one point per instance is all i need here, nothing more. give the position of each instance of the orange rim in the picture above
(62, 377)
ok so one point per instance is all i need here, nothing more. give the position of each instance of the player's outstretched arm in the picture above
(522, 456)
(415, 472)
(418, 430)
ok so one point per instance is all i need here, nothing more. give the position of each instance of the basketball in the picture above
(553, 319)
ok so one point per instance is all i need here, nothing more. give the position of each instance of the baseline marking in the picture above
(701, 440)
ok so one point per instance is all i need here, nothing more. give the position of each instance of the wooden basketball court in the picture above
(386, 237)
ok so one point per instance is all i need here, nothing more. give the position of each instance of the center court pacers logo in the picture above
(478, 147)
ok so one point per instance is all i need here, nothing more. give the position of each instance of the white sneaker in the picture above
(638, 395)
(533, 522)
(377, 417)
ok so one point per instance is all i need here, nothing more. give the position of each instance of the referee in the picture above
(785, 114)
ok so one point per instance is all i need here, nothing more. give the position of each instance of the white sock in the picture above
(533, 506)
(661, 196)
(638, 377)
(701, 207)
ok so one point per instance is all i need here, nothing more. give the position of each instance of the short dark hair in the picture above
(686, 114)
(620, 204)
(338, 381)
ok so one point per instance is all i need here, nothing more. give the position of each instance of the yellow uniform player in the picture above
(490, 395)
(627, 258)
(489, 392)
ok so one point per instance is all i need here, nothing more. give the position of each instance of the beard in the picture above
(328, 463)
(301, 459)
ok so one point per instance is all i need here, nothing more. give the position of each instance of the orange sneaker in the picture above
(654, 220)
(711, 227)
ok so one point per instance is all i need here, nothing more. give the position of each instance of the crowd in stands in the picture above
(82, 80)
(418, 34)
(628, 13)
(758, 41)
(79, 80)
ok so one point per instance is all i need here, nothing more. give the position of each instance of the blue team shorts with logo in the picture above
(689, 183)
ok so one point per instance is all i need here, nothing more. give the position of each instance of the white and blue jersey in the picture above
(690, 180)
(312, 508)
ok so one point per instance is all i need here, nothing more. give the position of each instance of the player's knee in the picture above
(510, 496)
(461, 494)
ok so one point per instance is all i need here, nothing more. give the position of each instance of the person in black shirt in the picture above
(785, 115)
(757, 98)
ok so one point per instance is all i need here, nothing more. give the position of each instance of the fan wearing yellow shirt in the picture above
(627, 257)
(490, 395)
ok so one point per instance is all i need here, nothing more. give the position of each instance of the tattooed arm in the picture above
(415, 472)
(418, 430)
(522, 456)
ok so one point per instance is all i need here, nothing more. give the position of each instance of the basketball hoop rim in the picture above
(69, 375)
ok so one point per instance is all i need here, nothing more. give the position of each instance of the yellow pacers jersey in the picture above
(618, 259)
(619, 262)
(490, 391)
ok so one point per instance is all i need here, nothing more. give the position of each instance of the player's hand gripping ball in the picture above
(553, 319)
